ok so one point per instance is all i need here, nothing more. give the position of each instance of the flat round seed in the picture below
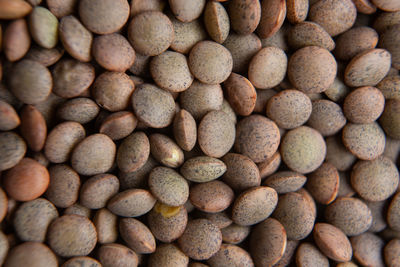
(268, 67)
(201, 239)
(367, 249)
(312, 69)
(323, 183)
(150, 33)
(268, 242)
(289, 108)
(105, 16)
(94, 155)
(214, 196)
(367, 68)
(303, 149)
(216, 134)
(332, 242)
(72, 235)
(257, 137)
(335, 16)
(350, 215)
(296, 214)
(210, 62)
(365, 141)
(254, 205)
(237, 167)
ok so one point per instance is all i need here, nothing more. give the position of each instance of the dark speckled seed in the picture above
(32, 219)
(257, 137)
(309, 33)
(76, 39)
(245, 15)
(273, 14)
(367, 249)
(336, 16)
(131, 203)
(216, 134)
(242, 48)
(268, 242)
(285, 181)
(309, 255)
(364, 105)
(365, 141)
(268, 67)
(137, 236)
(153, 106)
(312, 69)
(97, 190)
(332, 242)
(165, 150)
(118, 125)
(171, 72)
(185, 130)
(31, 254)
(235, 233)
(93, 155)
(289, 108)
(242, 173)
(81, 109)
(297, 10)
(254, 205)
(375, 180)
(210, 62)
(105, 16)
(367, 68)
(393, 214)
(167, 223)
(201, 239)
(296, 215)
(112, 90)
(72, 77)
(133, 152)
(13, 147)
(326, 117)
(168, 186)
(30, 81)
(187, 34)
(323, 183)
(168, 255)
(214, 196)
(354, 41)
(288, 255)
(203, 169)
(150, 33)
(63, 190)
(240, 94)
(201, 98)
(220, 219)
(337, 154)
(303, 149)
(81, 261)
(350, 215)
(391, 253)
(138, 178)
(390, 119)
(113, 52)
(116, 254)
(72, 235)
(231, 255)
(106, 224)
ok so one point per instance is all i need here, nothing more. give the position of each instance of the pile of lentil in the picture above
(231, 133)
